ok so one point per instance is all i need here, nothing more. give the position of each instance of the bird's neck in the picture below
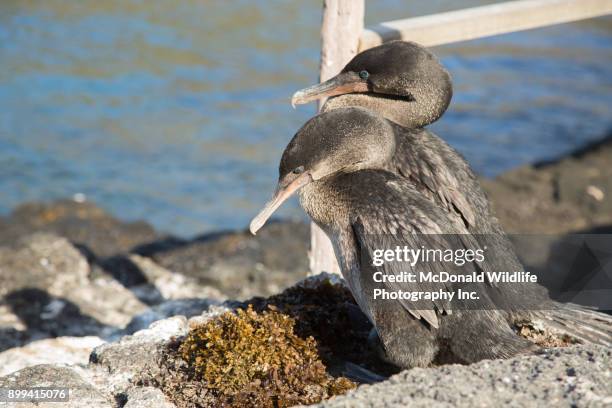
(324, 203)
(409, 114)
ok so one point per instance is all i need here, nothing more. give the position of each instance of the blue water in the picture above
(177, 112)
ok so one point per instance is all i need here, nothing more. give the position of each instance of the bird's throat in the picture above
(406, 112)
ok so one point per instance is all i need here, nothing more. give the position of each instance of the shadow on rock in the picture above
(237, 263)
(47, 316)
(123, 270)
(131, 276)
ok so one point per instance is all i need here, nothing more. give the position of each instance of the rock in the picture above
(42, 261)
(221, 260)
(574, 376)
(45, 284)
(573, 193)
(146, 397)
(82, 393)
(239, 264)
(60, 350)
(88, 278)
(82, 223)
(131, 354)
(125, 360)
(544, 206)
(169, 284)
(184, 307)
(49, 289)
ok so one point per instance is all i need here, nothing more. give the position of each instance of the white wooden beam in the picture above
(340, 31)
(477, 22)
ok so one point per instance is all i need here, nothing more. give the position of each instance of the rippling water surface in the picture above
(177, 112)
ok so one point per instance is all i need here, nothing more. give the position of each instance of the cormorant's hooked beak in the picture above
(343, 83)
(285, 188)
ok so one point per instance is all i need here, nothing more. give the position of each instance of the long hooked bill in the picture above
(343, 83)
(282, 193)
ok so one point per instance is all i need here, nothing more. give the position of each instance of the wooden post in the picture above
(341, 29)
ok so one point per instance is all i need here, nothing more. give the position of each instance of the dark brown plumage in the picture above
(408, 86)
(372, 178)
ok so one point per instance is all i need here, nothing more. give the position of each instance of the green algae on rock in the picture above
(243, 359)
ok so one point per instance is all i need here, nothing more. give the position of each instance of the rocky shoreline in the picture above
(86, 300)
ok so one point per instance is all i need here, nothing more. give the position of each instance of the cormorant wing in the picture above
(407, 219)
(428, 161)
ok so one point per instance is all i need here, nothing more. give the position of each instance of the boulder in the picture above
(576, 376)
(239, 264)
(60, 350)
(82, 392)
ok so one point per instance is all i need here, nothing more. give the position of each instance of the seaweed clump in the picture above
(323, 309)
(245, 359)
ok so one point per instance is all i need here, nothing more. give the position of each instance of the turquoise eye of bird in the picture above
(364, 74)
(298, 170)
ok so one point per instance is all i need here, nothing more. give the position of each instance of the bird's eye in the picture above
(364, 74)
(298, 170)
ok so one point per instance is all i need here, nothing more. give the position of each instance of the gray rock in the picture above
(543, 204)
(169, 285)
(573, 193)
(239, 264)
(223, 260)
(42, 261)
(46, 291)
(577, 376)
(60, 350)
(112, 366)
(146, 397)
(134, 354)
(82, 393)
(116, 366)
(184, 307)
(82, 223)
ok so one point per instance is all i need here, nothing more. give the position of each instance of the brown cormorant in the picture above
(406, 84)
(339, 163)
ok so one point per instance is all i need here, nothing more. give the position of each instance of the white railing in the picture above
(478, 22)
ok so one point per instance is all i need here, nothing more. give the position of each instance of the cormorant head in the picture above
(339, 141)
(400, 80)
